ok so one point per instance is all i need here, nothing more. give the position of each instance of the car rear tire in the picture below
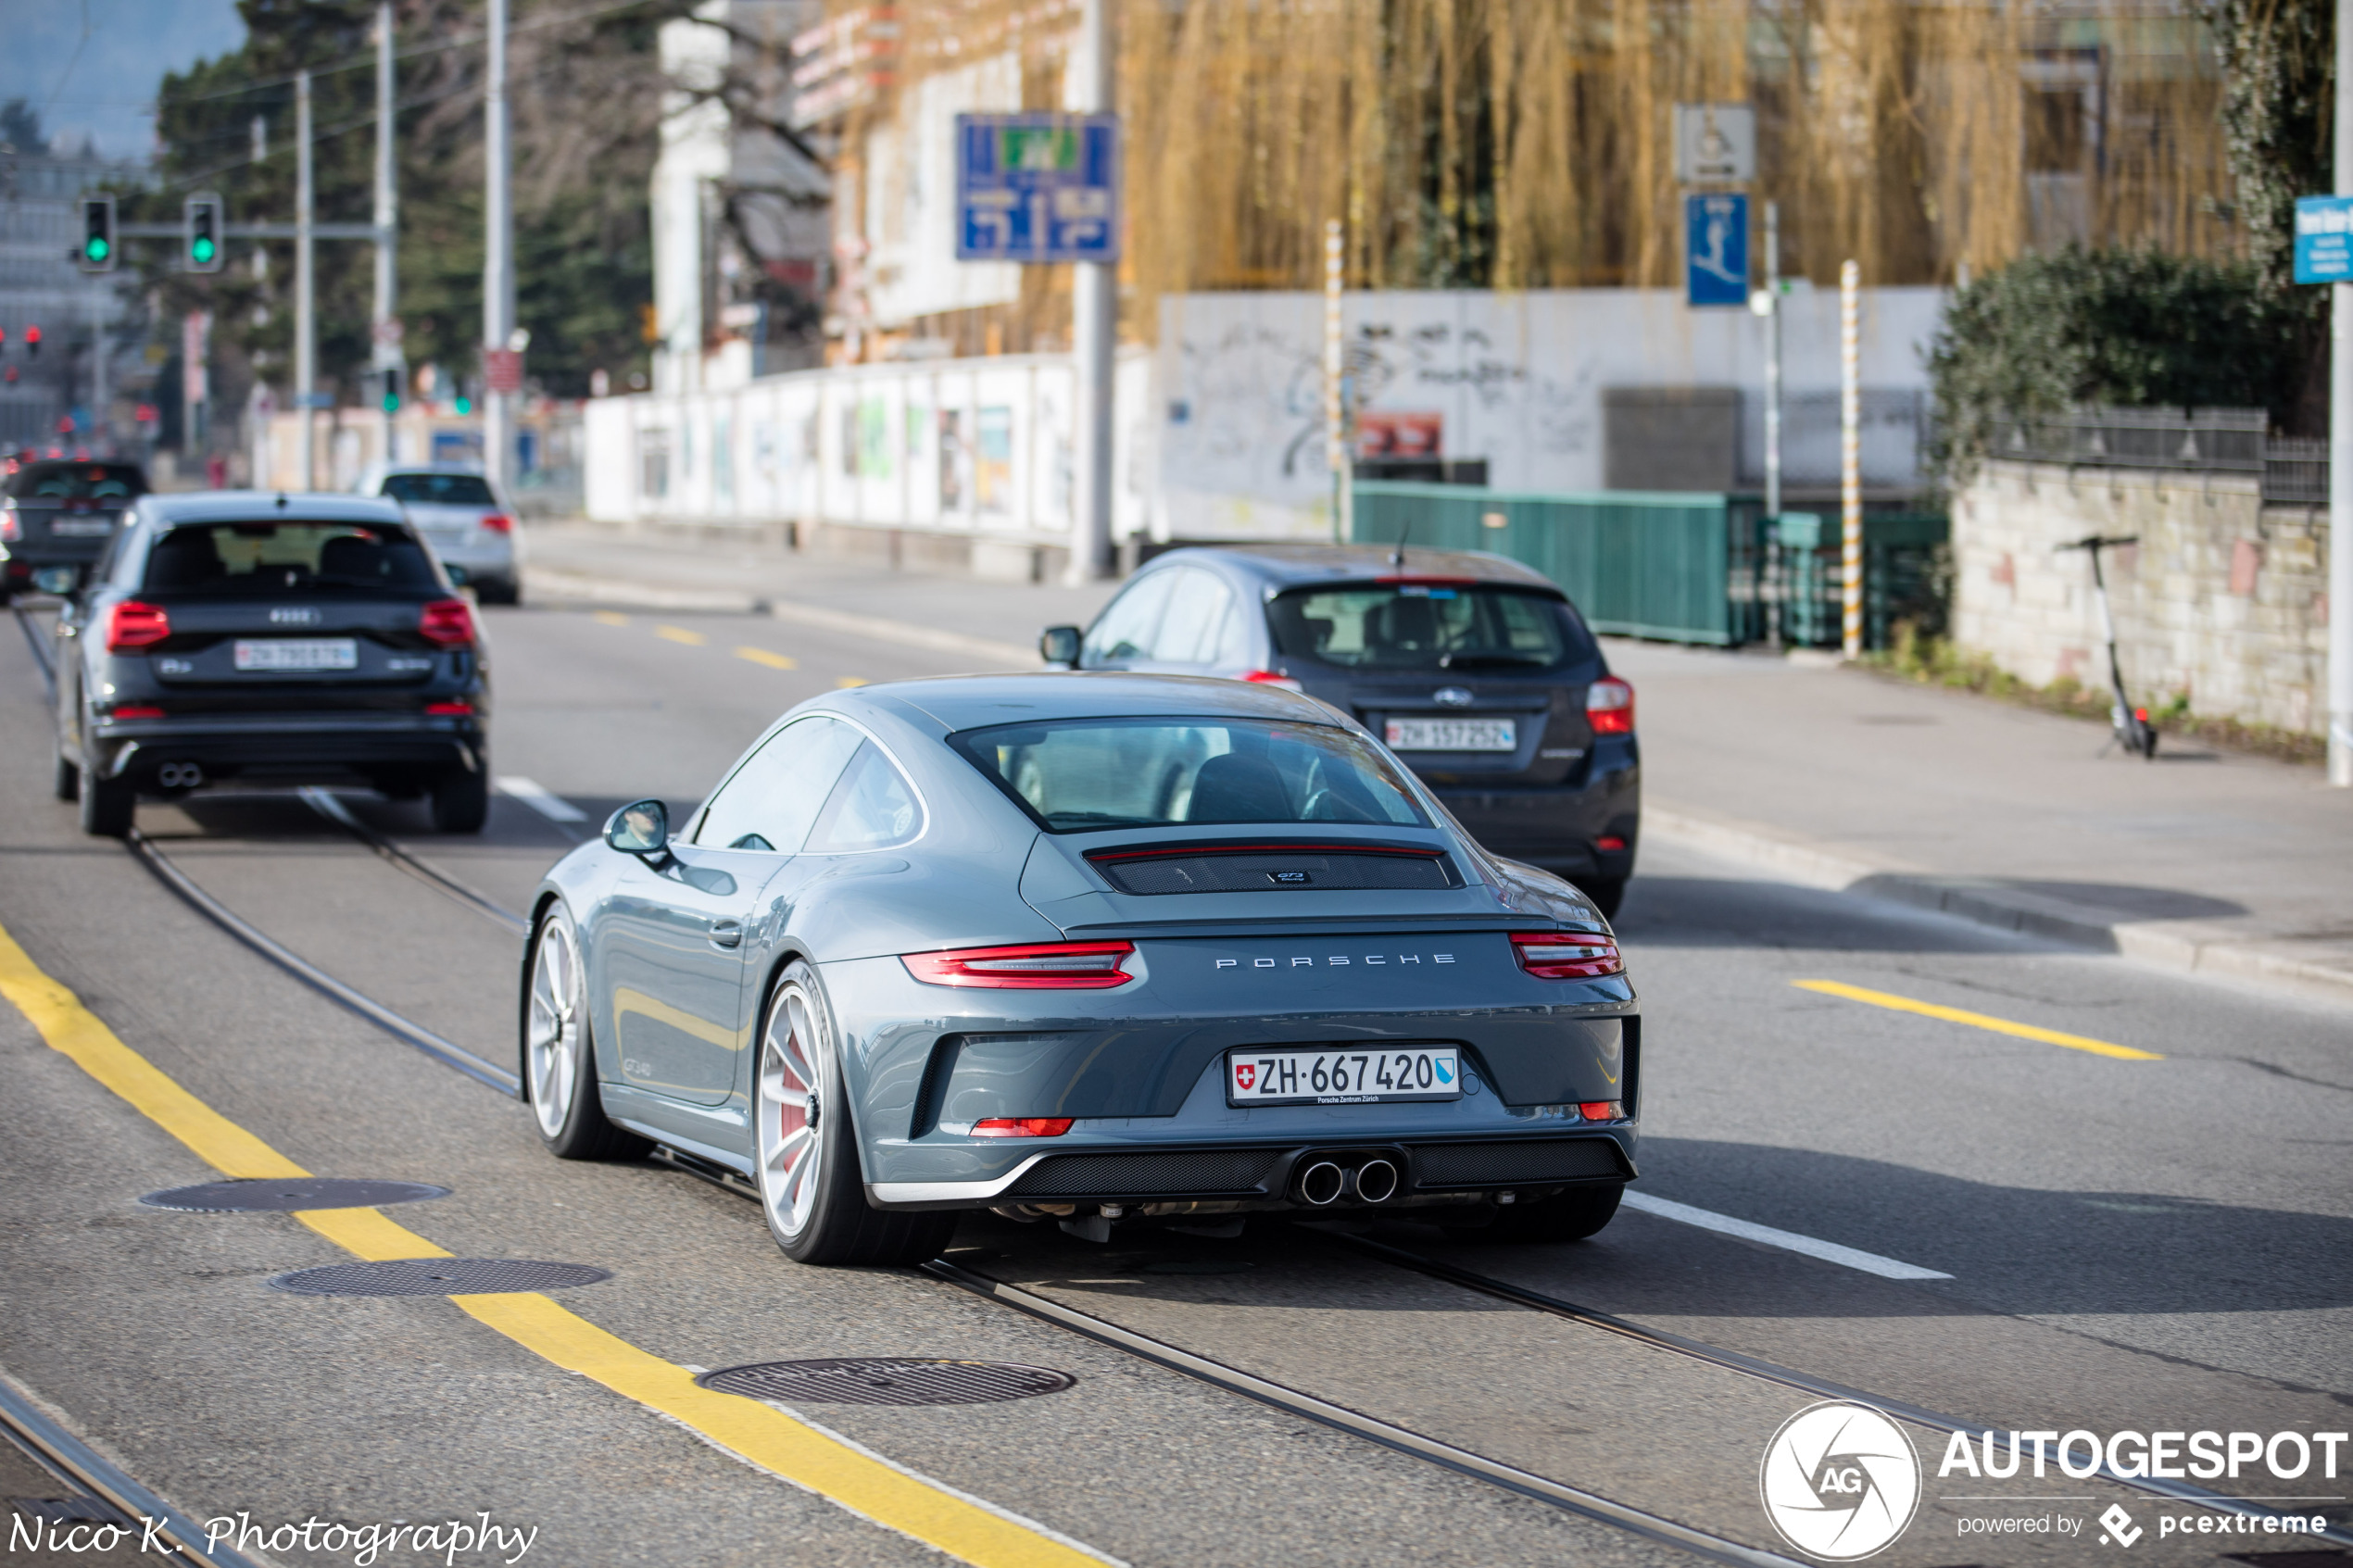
(497, 591)
(1571, 1214)
(805, 1145)
(559, 1054)
(461, 800)
(65, 782)
(1607, 892)
(108, 805)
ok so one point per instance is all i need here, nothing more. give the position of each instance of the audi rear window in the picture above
(1081, 775)
(284, 557)
(77, 482)
(1430, 627)
(439, 489)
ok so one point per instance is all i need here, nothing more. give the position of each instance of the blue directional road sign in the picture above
(2324, 240)
(1037, 187)
(1714, 251)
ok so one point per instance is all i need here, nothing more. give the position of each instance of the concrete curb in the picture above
(571, 587)
(2179, 945)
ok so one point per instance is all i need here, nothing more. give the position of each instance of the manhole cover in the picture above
(887, 1380)
(437, 1276)
(285, 1196)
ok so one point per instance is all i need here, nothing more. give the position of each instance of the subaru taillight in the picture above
(131, 625)
(1022, 1127)
(498, 522)
(449, 622)
(1035, 966)
(1609, 707)
(1567, 955)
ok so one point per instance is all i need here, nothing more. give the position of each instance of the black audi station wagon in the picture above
(292, 639)
(1475, 669)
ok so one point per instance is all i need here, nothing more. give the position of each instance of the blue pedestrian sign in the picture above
(1037, 187)
(2324, 240)
(1714, 251)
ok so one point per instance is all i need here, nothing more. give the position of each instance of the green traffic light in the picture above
(465, 406)
(95, 248)
(202, 250)
(392, 404)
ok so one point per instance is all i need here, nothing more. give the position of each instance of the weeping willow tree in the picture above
(1527, 144)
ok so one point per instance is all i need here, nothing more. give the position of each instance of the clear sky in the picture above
(91, 68)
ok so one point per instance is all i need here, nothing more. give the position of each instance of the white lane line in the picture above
(542, 799)
(1789, 1241)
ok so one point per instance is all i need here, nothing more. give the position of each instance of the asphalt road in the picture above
(2153, 1242)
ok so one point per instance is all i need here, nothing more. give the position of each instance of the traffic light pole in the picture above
(387, 347)
(306, 312)
(498, 256)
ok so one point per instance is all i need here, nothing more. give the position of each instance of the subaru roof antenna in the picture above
(1397, 556)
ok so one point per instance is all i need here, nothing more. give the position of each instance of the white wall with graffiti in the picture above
(1219, 431)
(1514, 379)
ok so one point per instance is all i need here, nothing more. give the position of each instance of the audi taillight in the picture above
(131, 625)
(498, 522)
(449, 622)
(1035, 966)
(1609, 707)
(1022, 1127)
(1567, 955)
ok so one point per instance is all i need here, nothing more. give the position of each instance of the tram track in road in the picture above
(1397, 1437)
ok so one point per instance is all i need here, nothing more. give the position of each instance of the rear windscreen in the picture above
(1429, 626)
(276, 557)
(77, 482)
(439, 489)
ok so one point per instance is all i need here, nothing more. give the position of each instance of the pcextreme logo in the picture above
(1840, 1481)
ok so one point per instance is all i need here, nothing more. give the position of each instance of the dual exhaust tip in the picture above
(1323, 1183)
(180, 775)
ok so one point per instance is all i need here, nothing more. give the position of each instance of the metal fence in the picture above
(1685, 568)
(2290, 469)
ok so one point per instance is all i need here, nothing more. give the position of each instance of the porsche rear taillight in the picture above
(1609, 707)
(132, 624)
(1035, 966)
(448, 622)
(1567, 955)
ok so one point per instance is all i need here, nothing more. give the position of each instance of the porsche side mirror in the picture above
(641, 828)
(1058, 645)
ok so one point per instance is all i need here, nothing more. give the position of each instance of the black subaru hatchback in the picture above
(292, 639)
(1475, 669)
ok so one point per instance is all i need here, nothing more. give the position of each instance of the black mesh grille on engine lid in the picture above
(1274, 871)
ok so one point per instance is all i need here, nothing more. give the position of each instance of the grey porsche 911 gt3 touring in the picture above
(1088, 947)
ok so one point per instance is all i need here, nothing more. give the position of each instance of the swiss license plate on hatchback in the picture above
(1453, 734)
(299, 653)
(80, 527)
(1343, 1077)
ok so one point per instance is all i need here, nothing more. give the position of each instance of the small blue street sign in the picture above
(1037, 187)
(2324, 239)
(1716, 251)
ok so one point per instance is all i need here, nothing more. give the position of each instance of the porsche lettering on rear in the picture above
(1337, 960)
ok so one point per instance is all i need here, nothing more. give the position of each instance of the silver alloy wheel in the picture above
(790, 1107)
(557, 1031)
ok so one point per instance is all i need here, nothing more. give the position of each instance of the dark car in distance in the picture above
(54, 513)
(1475, 669)
(295, 639)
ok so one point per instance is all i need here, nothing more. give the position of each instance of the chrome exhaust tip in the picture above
(180, 775)
(1373, 1182)
(1322, 1183)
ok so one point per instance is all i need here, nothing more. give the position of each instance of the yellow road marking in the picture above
(1977, 1019)
(680, 634)
(613, 618)
(849, 681)
(774, 661)
(759, 1433)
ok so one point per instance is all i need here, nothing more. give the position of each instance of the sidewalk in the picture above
(1830, 777)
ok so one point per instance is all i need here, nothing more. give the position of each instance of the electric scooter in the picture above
(2134, 731)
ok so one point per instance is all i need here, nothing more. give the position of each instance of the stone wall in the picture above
(2224, 598)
